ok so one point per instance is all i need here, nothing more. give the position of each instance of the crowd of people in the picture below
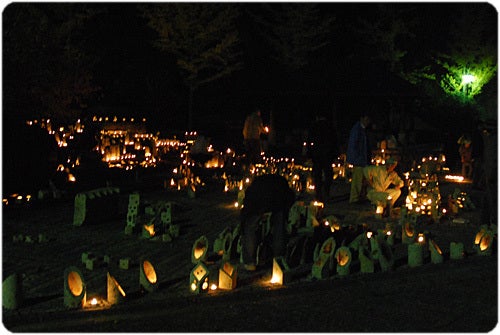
(375, 184)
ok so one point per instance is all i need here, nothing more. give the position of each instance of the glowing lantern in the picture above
(75, 293)
(323, 263)
(147, 276)
(115, 292)
(227, 276)
(148, 231)
(483, 241)
(436, 253)
(199, 250)
(281, 271)
(343, 257)
(408, 233)
(198, 278)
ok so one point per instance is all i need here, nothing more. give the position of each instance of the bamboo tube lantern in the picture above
(199, 251)
(220, 241)
(343, 256)
(483, 241)
(116, 294)
(12, 292)
(147, 276)
(365, 260)
(227, 276)
(75, 292)
(281, 271)
(408, 233)
(415, 254)
(386, 256)
(323, 262)
(456, 250)
(436, 253)
(198, 278)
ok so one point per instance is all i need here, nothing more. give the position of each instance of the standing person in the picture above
(358, 156)
(465, 151)
(252, 130)
(380, 178)
(322, 149)
(267, 193)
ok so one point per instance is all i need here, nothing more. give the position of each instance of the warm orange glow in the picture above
(150, 229)
(204, 286)
(149, 272)
(436, 247)
(454, 178)
(342, 257)
(409, 231)
(380, 210)
(485, 242)
(75, 283)
(93, 302)
(479, 235)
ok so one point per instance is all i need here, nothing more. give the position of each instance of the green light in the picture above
(468, 78)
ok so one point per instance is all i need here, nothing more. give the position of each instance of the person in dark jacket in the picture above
(266, 193)
(323, 149)
(358, 155)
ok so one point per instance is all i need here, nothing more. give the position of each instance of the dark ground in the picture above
(456, 296)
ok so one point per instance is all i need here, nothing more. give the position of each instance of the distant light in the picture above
(468, 78)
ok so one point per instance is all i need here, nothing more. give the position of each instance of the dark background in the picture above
(130, 77)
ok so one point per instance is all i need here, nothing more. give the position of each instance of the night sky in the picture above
(129, 76)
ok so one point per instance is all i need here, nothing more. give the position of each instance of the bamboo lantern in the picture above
(408, 233)
(147, 276)
(198, 278)
(415, 254)
(75, 292)
(116, 294)
(365, 260)
(483, 242)
(436, 253)
(12, 292)
(323, 262)
(221, 240)
(199, 250)
(281, 271)
(343, 256)
(456, 250)
(386, 257)
(227, 276)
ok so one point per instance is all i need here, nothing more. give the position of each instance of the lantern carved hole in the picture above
(485, 242)
(75, 283)
(342, 257)
(149, 272)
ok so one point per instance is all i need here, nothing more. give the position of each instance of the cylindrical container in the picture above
(415, 254)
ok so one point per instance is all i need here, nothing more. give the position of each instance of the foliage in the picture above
(203, 38)
(472, 51)
(46, 60)
(382, 32)
(293, 31)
